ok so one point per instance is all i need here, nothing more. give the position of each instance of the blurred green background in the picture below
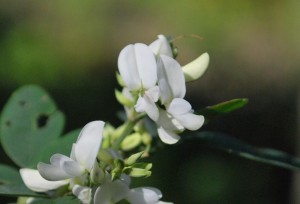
(71, 49)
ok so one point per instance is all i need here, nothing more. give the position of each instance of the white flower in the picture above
(138, 69)
(181, 110)
(147, 104)
(33, 180)
(82, 159)
(83, 193)
(170, 79)
(195, 69)
(111, 191)
(179, 116)
(161, 46)
(145, 195)
(115, 191)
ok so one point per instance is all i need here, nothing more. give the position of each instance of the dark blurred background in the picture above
(71, 48)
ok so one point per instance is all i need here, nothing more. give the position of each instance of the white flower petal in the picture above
(83, 193)
(146, 64)
(144, 195)
(59, 159)
(161, 46)
(179, 106)
(119, 190)
(35, 182)
(167, 136)
(128, 68)
(146, 104)
(171, 80)
(111, 192)
(195, 69)
(51, 172)
(190, 121)
(88, 144)
(167, 122)
(102, 195)
(72, 168)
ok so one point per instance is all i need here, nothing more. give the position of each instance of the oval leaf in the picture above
(29, 121)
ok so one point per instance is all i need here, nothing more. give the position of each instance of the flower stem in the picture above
(128, 129)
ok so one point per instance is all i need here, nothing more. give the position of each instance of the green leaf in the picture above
(62, 145)
(62, 200)
(29, 122)
(223, 108)
(9, 175)
(242, 149)
(18, 190)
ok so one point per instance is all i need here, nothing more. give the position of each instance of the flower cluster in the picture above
(104, 158)
(88, 178)
(155, 84)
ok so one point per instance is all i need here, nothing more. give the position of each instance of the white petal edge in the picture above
(51, 172)
(167, 136)
(170, 70)
(144, 195)
(161, 46)
(146, 104)
(128, 69)
(190, 121)
(146, 65)
(195, 69)
(72, 168)
(35, 182)
(179, 106)
(83, 193)
(88, 144)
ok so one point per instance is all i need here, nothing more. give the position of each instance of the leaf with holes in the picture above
(29, 122)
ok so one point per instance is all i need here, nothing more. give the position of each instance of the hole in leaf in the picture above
(8, 123)
(42, 120)
(22, 103)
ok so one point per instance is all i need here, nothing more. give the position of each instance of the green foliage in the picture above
(18, 190)
(63, 200)
(223, 108)
(29, 122)
(242, 149)
(32, 118)
(9, 175)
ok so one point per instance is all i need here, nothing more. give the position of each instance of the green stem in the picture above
(128, 129)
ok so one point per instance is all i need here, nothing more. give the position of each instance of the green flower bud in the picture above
(131, 141)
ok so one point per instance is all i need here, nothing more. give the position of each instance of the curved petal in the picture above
(72, 168)
(88, 144)
(128, 68)
(190, 121)
(102, 195)
(83, 193)
(161, 46)
(146, 104)
(195, 69)
(170, 79)
(119, 190)
(166, 121)
(179, 106)
(35, 182)
(146, 65)
(167, 136)
(59, 159)
(144, 195)
(51, 172)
